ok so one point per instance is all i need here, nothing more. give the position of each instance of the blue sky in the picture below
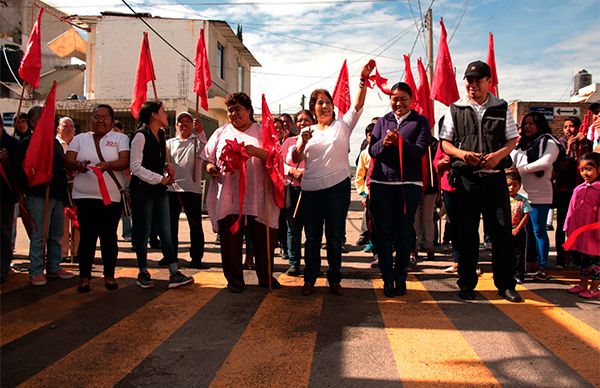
(301, 44)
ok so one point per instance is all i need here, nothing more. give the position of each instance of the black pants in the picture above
(191, 204)
(562, 206)
(487, 196)
(6, 217)
(97, 220)
(519, 247)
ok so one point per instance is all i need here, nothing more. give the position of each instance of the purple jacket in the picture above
(416, 137)
(584, 209)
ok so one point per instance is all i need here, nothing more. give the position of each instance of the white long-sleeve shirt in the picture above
(135, 162)
(538, 190)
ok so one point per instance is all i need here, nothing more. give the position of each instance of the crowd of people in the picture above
(483, 163)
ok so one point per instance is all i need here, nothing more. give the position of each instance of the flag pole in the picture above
(21, 100)
(297, 205)
(269, 257)
(430, 165)
(195, 143)
(147, 45)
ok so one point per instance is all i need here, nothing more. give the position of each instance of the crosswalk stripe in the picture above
(26, 319)
(572, 340)
(291, 325)
(107, 358)
(427, 347)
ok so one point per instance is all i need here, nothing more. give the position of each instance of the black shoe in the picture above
(163, 262)
(236, 288)
(362, 241)
(336, 289)
(511, 296)
(294, 270)
(344, 249)
(388, 289)
(197, 264)
(465, 294)
(308, 288)
(275, 285)
(111, 286)
(83, 288)
(400, 287)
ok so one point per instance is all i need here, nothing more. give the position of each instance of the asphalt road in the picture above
(204, 335)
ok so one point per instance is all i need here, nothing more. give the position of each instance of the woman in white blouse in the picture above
(326, 182)
(222, 201)
(109, 151)
(533, 157)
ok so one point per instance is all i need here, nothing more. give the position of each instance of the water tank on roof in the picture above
(581, 79)
(10, 59)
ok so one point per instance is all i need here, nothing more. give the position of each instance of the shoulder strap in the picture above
(112, 174)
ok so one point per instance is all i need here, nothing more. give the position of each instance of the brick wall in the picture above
(520, 108)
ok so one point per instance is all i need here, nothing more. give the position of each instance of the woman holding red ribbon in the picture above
(398, 143)
(99, 158)
(236, 197)
(326, 182)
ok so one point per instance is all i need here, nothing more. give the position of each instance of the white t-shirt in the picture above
(181, 156)
(86, 184)
(326, 153)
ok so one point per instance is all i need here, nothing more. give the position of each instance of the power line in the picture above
(253, 3)
(462, 15)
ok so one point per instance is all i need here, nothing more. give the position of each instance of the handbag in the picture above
(125, 196)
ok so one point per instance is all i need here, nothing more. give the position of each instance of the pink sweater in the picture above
(584, 209)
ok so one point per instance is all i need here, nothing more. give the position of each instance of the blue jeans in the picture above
(538, 217)
(148, 206)
(330, 207)
(294, 227)
(451, 211)
(56, 219)
(393, 210)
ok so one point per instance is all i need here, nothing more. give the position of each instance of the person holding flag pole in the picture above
(326, 181)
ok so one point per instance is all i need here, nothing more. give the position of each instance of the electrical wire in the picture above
(254, 3)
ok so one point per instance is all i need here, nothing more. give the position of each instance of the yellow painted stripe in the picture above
(570, 339)
(427, 347)
(130, 340)
(290, 322)
(569, 276)
(26, 319)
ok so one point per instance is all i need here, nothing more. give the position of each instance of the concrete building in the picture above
(111, 58)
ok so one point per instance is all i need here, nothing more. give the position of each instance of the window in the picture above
(240, 77)
(220, 60)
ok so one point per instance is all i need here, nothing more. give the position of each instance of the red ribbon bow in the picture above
(102, 184)
(377, 79)
(71, 213)
(234, 157)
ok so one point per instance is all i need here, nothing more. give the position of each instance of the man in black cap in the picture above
(479, 138)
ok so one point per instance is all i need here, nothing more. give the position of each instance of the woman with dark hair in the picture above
(109, 151)
(258, 212)
(293, 178)
(150, 176)
(398, 143)
(288, 124)
(576, 145)
(326, 182)
(533, 157)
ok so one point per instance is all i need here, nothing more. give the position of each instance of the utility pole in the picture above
(429, 24)
(303, 99)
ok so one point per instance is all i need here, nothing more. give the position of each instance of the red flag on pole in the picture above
(341, 93)
(40, 153)
(274, 163)
(31, 63)
(143, 74)
(410, 80)
(425, 101)
(444, 87)
(202, 80)
(491, 61)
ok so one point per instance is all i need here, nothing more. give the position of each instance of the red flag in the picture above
(410, 80)
(274, 163)
(425, 102)
(202, 80)
(143, 74)
(31, 63)
(378, 80)
(444, 87)
(585, 124)
(341, 93)
(491, 61)
(40, 153)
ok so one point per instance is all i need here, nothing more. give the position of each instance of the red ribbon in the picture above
(573, 236)
(378, 80)
(71, 213)
(234, 157)
(102, 184)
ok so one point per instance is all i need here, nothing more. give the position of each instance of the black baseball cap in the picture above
(478, 70)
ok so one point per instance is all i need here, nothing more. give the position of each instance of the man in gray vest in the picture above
(478, 134)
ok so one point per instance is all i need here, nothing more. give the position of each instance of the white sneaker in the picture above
(451, 269)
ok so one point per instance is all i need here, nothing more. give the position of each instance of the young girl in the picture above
(584, 209)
